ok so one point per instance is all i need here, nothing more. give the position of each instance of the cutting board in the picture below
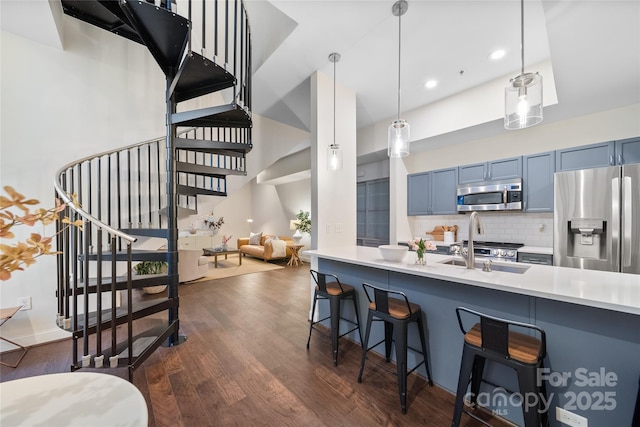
(438, 232)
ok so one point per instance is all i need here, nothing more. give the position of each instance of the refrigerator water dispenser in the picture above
(588, 236)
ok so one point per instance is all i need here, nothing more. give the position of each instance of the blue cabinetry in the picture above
(627, 151)
(432, 193)
(443, 191)
(373, 212)
(538, 170)
(494, 170)
(624, 151)
(585, 157)
(418, 193)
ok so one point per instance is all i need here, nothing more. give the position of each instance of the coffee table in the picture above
(214, 253)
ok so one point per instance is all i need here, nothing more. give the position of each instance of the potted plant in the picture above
(304, 223)
(151, 267)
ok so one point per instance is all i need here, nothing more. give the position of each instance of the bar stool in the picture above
(396, 313)
(335, 292)
(491, 339)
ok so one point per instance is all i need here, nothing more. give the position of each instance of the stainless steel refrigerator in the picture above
(597, 219)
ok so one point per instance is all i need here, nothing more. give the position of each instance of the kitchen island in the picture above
(592, 321)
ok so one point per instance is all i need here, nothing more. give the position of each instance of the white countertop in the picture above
(611, 291)
(536, 250)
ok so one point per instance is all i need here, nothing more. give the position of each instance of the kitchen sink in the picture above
(518, 269)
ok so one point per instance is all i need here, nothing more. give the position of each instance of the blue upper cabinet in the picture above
(585, 157)
(418, 193)
(443, 191)
(628, 151)
(490, 171)
(538, 170)
(472, 173)
(432, 193)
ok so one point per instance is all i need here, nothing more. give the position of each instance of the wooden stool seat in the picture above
(335, 288)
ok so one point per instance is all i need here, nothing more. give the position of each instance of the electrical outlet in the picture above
(25, 303)
(570, 419)
(328, 228)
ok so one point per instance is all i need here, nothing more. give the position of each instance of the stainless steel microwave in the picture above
(505, 195)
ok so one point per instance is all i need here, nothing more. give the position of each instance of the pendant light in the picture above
(523, 96)
(398, 144)
(334, 152)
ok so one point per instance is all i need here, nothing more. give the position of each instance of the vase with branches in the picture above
(15, 210)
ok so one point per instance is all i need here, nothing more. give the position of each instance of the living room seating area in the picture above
(265, 246)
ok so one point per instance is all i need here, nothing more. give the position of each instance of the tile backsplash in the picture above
(530, 229)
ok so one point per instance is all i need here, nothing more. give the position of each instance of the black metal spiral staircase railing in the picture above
(137, 191)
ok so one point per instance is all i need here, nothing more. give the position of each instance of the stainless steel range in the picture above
(496, 251)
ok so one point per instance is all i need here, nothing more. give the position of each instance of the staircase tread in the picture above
(156, 336)
(137, 282)
(200, 76)
(231, 115)
(216, 147)
(195, 191)
(96, 14)
(140, 309)
(206, 170)
(164, 33)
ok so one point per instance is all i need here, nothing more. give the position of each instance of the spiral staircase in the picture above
(138, 191)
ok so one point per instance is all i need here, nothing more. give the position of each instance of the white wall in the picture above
(57, 106)
(609, 125)
(333, 193)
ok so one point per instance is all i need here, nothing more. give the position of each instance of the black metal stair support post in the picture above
(172, 216)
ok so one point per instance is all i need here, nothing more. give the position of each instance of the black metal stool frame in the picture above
(496, 348)
(395, 331)
(335, 314)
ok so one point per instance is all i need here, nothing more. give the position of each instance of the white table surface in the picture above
(83, 399)
(602, 289)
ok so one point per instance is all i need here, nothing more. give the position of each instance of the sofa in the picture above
(192, 264)
(265, 249)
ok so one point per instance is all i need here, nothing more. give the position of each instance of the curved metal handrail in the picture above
(83, 213)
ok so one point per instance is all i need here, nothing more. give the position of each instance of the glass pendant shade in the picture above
(398, 142)
(523, 101)
(398, 145)
(334, 152)
(334, 157)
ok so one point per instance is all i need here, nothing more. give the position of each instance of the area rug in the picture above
(229, 267)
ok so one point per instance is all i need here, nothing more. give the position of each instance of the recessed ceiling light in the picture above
(430, 84)
(497, 54)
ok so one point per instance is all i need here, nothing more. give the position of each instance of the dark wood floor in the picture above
(245, 363)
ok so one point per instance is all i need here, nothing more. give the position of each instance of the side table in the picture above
(295, 256)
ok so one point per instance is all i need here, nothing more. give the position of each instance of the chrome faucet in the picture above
(469, 257)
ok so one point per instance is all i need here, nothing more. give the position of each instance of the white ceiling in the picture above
(593, 46)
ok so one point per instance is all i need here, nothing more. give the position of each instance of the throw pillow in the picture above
(254, 238)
